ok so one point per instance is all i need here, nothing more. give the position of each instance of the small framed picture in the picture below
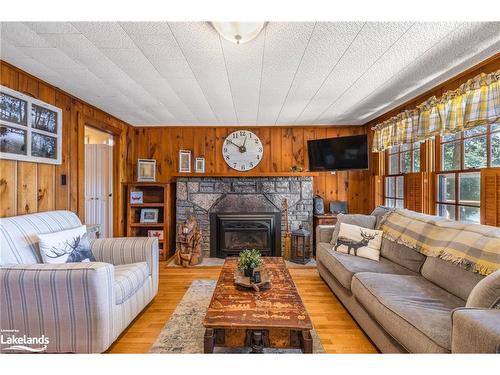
(136, 197)
(149, 215)
(156, 233)
(185, 161)
(199, 165)
(146, 170)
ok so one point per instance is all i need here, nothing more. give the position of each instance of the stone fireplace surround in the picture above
(200, 196)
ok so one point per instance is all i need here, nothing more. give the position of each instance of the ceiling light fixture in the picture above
(238, 32)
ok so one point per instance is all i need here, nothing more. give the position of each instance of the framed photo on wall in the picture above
(149, 215)
(146, 170)
(185, 161)
(30, 130)
(199, 165)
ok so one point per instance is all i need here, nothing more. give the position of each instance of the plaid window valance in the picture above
(476, 102)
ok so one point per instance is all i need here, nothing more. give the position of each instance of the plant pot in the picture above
(248, 272)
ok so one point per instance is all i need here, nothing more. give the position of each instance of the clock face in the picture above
(242, 150)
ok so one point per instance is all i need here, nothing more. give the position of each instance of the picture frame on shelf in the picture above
(146, 170)
(136, 197)
(156, 233)
(149, 216)
(184, 161)
(30, 129)
(199, 165)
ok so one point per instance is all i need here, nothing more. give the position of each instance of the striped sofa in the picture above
(80, 307)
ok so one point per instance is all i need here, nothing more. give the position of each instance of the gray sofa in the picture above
(408, 302)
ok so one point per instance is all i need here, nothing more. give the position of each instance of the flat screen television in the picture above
(338, 154)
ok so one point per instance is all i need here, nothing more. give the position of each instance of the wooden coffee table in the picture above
(275, 317)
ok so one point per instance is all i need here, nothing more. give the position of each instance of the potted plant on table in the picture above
(248, 261)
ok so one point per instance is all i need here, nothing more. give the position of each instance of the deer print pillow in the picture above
(66, 246)
(359, 241)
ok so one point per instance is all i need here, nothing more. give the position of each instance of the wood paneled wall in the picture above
(27, 187)
(284, 147)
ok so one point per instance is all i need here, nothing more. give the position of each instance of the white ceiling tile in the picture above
(154, 73)
(371, 43)
(20, 35)
(284, 46)
(52, 27)
(328, 44)
(105, 34)
(416, 42)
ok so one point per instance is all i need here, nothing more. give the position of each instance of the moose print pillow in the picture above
(359, 241)
(66, 246)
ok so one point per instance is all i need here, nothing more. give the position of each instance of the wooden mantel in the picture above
(247, 174)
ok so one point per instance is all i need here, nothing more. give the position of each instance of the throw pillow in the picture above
(66, 246)
(365, 221)
(381, 213)
(359, 241)
(486, 293)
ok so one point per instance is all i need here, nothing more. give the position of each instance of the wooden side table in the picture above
(325, 219)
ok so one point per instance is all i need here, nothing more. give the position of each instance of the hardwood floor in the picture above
(337, 330)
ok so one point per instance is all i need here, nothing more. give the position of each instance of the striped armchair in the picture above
(80, 307)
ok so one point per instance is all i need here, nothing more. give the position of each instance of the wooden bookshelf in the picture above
(159, 196)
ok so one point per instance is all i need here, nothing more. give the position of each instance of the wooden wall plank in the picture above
(46, 186)
(275, 149)
(27, 197)
(62, 191)
(8, 188)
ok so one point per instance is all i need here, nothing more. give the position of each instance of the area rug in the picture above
(183, 333)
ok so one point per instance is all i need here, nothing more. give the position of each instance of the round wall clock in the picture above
(242, 150)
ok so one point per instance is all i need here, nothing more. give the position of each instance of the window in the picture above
(404, 159)
(462, 155)
(394, 191)
(400, 160)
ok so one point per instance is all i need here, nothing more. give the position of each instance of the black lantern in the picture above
(301, 246)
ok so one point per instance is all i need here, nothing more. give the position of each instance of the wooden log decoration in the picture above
(188, 250)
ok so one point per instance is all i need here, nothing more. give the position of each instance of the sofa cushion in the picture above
(344, 266)
(380, 214)
(411, 309)
(402, 255)
(486, 293)
(129, 278)
(365, 221)
(450, 277)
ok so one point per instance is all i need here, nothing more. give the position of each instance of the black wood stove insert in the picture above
(231, 233)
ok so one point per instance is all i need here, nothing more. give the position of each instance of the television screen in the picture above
(338, 154)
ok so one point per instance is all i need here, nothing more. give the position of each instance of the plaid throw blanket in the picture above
(471, 246)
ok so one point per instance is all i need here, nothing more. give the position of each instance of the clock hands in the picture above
(241, 148)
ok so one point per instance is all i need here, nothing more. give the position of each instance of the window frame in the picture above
(397, 150)
(461, 139)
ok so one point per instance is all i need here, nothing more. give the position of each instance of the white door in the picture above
(99, 187)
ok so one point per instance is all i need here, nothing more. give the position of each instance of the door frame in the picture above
(83, 121)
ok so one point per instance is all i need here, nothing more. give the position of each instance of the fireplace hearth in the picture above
(232, 233)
